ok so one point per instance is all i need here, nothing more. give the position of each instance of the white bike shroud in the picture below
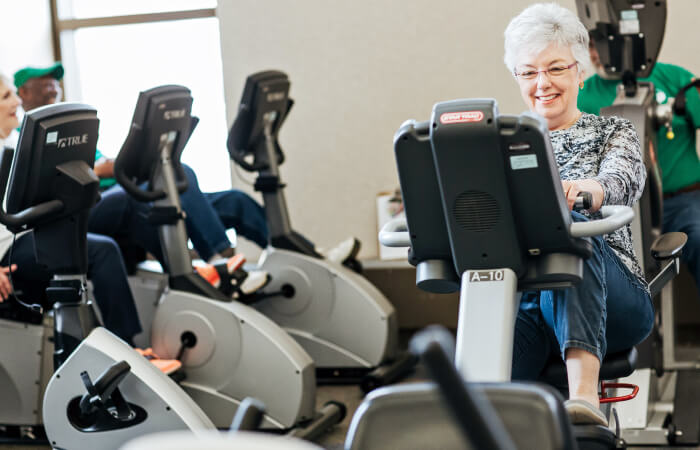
(327, 298)
(167, 406)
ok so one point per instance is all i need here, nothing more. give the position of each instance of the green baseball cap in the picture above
(22, 75)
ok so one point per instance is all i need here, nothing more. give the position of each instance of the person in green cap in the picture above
(677, 154)
(39, 86)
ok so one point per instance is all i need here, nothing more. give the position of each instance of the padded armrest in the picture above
(668, 245)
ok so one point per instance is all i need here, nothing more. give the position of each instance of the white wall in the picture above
(26, 29)
(359, 69)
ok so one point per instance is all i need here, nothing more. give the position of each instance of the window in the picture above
(83, 9)
(110, 59)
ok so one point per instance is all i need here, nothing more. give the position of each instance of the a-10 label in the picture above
(487, 275)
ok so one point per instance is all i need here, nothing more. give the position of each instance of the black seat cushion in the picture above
(615, 365)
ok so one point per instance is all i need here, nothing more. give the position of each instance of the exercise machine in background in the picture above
(229, 350)
(345, 323)
(102, 392)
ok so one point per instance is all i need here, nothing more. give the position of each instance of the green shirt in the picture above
(104, 182)
(678, 157)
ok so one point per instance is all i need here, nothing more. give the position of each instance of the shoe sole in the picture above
(584, 415)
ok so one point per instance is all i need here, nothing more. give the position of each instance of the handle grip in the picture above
(584, 200)
(394, 233)
(614, 217)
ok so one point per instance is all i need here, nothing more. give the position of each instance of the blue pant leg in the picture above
(577, 315)
(205, 229)
(682, 213)
(608, 300)
(108, 275)
(239, 211)
(110, 215)
(533, 342)
(630, 310)
(120, 216)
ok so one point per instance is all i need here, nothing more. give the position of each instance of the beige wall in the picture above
(358, 70)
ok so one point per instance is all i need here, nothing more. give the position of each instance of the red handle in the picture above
(605, 386)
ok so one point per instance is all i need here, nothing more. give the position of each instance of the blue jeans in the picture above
(209, 215)
(120, 216)
(105, 270)
(608, 311)
(682, 213)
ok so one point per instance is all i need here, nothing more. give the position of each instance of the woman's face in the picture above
(551, 94)
(8, 109)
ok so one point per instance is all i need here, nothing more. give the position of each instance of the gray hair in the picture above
(6, 80)
(541, 25)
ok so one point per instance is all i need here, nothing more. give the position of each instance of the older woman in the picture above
(546, 48)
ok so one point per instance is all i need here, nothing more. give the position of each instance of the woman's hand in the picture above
(573, 187)
(5, 285)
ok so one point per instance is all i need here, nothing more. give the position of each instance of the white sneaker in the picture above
(255, 280)
(345, 250)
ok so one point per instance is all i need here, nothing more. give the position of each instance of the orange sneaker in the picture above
(209, 273)
(235, 262)
(167, 366)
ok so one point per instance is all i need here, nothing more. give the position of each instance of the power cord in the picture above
(34, 307)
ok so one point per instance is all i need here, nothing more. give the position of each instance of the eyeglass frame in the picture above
(545, 71)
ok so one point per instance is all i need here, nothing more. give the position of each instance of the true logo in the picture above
(71, 141)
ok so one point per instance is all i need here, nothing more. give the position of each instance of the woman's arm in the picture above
(621, 173)
(572, 188)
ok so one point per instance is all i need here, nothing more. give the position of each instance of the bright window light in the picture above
(115, 63)
(84, 9)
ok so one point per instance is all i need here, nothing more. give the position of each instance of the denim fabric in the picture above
(105, 270)
(682, 213)
(118, 215)
(609, 311)
(209, 215)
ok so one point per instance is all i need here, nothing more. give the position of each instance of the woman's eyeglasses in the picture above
(555, 71)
